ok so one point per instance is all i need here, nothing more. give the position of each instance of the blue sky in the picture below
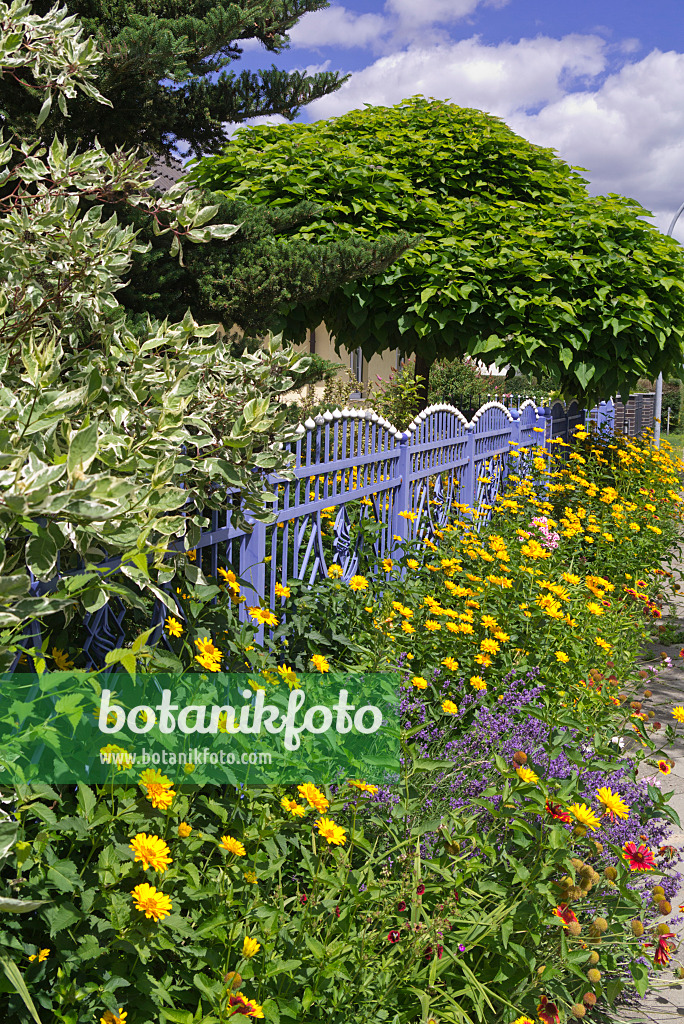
(600, 81)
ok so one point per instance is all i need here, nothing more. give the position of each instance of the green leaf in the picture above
(8, 837)
(64, 875)
(10, 906)
(82, 451)
(15, 978)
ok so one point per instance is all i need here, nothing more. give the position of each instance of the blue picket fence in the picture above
(350, 465)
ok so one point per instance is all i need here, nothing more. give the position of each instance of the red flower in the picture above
(393, 936)
(421, 889)
(556, 811)
(664, 767)
(337, 911)
(663, 953)
(401, 906)
(241, 1006)
(548, 1012)
(639, 858)
(681, 653)
(565, 913)
(303, 898)
(668, 852)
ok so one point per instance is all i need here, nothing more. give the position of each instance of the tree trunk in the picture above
(423, 370)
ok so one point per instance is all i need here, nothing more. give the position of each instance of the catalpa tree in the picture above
(516, 263)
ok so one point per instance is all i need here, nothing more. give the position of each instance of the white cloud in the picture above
(401, 23)
(336, 26)
(232, 126)
(628, 133)
(500, 79)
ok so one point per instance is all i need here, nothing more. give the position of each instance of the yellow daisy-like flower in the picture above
(406, 627)
(295, 809)
(334, 571)
(678, 713)
(501, 636)
(320, 663)
(151, 851)
(451, 664)
(449, 707)
(159, 788)
(478, 683)
(206, 661)
(489, 646)
(483, 659)
(206, 646)
(61, 659)
(173, 626)
(432, 626)
(335, 835)
(358, 583)
(313, 797)
(613, 803)
(233, 846)
(118, 756)
(489, 622)
(419, 682)
(114, 1018)
(602, 643)
(570, 577)
(412, 563)
(250, 947)
(40, 956)
(562, 656)
(154, 904)
(585, 816)
(387, 564)
(289, 676)
(281, 591)
(250, 876)
(527, 775)
(365, 787)
(264, 616)
(184, 830)
(594, 608)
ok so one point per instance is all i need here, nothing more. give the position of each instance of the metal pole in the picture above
(658, 411)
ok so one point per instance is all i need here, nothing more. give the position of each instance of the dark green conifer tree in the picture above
(167, 74)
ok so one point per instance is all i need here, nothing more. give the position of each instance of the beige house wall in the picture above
(378, 366)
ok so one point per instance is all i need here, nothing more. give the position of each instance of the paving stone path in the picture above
(665, 1002)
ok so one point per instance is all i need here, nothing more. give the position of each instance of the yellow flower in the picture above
(678, 713)
(295, 809)
(206, 661)
(387, 564)
(478, 683)
(61, 660)
(335, 835)
(483, 659)
(449, 707)
(173, 626)
(184, 830)
(450, 663)
(432, 626)
(419, 682)
(206, 646)
(313, 797)
(334, 571)
(40, 956)
(155, 905)
(527, 775)
(533, 549)
(358, 583)
(159, 789)
(489, 646)
(250, 947)
(151, 851)
(281, 591)
(263, 616)
(289, 676)
(233, 846)
(250, 876)
(613, 803)
(501, 636)
(584, 815)
(594, 608)
(119, 756)
(408, 515)
(407, 627)
(320, 663)
(562, 656)
(114, 1018)
(412, 563)
(365, 787)
(602, 643)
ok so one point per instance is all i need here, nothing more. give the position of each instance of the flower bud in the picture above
(232, 979)
(663, 928)
(520, 757)
(589, 999)
(637, 928)
(648, 693)
(594, 975)
(601, 924)
(658, 893)
(578, 1011)
(665, 907)
(575, 928)
(610, 872)
(593, 957)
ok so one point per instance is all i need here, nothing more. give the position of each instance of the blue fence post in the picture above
(253, 568)
(402, 495)
(513, 441)
(469, 478)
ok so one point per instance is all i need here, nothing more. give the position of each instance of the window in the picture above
(356, 367)
(312, 341)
